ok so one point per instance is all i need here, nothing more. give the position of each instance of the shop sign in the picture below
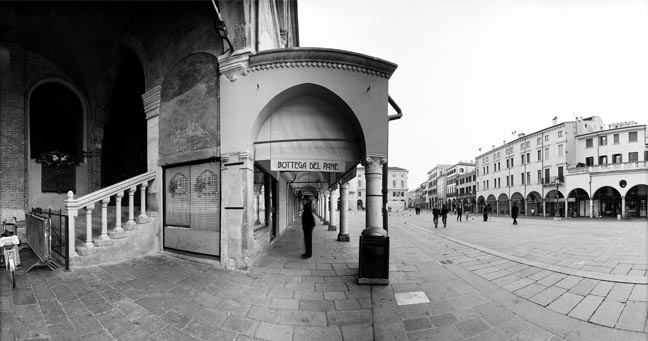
(307, 166)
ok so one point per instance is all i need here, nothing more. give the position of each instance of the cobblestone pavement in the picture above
(465, 294)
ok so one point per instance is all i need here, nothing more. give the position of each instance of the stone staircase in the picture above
(137, 240)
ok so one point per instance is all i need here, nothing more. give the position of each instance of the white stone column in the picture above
(130, 224)
(88, 242)
(332, 205)
(71, 234)
(325, 208)
(591, 205)
(544, 208)
(143, 217)
(343, 236)
(118, 230)
(103, 238)
(623, 208)
(373, 175)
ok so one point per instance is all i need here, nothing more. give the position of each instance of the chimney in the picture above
(554, 121)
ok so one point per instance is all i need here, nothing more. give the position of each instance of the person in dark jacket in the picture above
(444, 215)
(485, 212)
(308, 223)
(514, 213)
(459, 212)
(435, 214)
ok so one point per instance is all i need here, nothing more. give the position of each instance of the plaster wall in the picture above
(242, 101)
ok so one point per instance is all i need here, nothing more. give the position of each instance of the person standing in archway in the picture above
(308, 223)
(514, 213)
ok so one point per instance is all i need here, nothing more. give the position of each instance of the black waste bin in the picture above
(374, 257)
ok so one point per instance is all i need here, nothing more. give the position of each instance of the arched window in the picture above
(56, 119)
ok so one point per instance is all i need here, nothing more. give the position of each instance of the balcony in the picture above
(614, 167)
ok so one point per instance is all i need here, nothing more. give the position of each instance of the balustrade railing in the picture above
(103, 197)
(608, 167)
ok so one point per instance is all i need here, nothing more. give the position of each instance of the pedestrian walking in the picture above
(308, 223)
(514, 213)
(444, 215)
(485, 211)
(435, 214)
(459, 213)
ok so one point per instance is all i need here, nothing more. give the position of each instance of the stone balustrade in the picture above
(612, 167)
(103, 197)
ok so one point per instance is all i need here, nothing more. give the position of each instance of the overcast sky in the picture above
(472, 72)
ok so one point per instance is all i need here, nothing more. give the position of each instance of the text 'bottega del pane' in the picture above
(306, 166)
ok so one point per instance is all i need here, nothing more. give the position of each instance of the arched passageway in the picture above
(491, 204)
(607, 202)
(635, 201)
(124, 140)
(555, 204)
(578, 203)
(518, 199)
(503, 205)
(534, 203)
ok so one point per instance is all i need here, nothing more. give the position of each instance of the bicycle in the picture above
(9, 245)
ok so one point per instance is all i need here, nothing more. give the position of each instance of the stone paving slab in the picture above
(283, 297)
(549, 289)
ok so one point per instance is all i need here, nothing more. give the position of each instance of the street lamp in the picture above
(557, 215)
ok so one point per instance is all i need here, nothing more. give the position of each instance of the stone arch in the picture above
(555, 205)
(137, 47)
(491, 203)
(636, 199)
(314, 91)
(518, 199)
(124, 145)
(57, 121)
(503, 203)
(534, 203)
(578, 203)
(607, 201)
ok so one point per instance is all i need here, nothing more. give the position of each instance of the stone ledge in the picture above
(117, 235)
(103, 242)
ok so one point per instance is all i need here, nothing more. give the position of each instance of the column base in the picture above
(557, 218)
(130, 225)
(143, 219)
(380, 281)
(343, 238)
(325, 222)
(103, 241)
(117, 234)
(332, 228)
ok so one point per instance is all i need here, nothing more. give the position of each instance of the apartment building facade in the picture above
(397, 190)
(530, 170)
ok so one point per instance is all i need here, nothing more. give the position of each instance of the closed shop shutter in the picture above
(192, 208)
(205, 197)
(177, 194)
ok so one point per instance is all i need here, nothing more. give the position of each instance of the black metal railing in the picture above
(59, 230)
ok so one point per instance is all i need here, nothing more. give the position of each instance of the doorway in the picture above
(124, 142)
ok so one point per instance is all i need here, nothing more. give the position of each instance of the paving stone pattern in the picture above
(564, 293)
(283, 297)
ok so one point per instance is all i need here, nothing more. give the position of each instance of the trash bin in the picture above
(374, 257)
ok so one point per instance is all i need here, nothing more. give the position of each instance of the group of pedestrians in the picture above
(443, 213)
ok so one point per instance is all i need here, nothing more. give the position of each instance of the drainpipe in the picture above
(399, 112)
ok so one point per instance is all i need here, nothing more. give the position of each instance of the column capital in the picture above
(344, 185)
(151, 101)
(374, 160)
